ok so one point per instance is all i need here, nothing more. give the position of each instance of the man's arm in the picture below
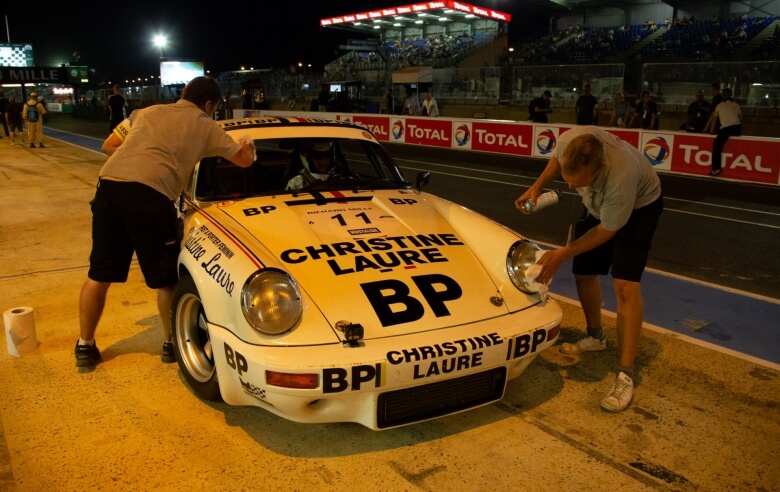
(551, 172)
(111, 144)
(244, 157)
(552, 260)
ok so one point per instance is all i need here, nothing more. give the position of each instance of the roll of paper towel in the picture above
(20, 331)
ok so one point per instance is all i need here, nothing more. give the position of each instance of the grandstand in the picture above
(626, 45)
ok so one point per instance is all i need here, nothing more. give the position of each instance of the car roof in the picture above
(294, 126)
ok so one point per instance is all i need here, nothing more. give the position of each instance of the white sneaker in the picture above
(621, 394)
(585, 344)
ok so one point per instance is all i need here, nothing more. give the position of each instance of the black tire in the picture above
(191, 340)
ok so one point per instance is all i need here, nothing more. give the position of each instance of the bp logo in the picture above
(656, 150)
(546, 142)
(398, 129)
(462, 135)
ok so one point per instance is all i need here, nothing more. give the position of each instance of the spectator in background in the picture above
(3, 107)
(411, 105)
(647, 110)
(730, 117)
(717, 98)
(622, 112)
(116, 108)
(13, 116)
(540, 108)
(389, 101)
(698, 113)
(32, 113)
(429, 106)
(246, 99)
(585, 109)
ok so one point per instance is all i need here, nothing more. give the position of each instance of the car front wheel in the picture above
(191, 342)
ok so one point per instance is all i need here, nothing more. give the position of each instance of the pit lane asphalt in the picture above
(702, 419)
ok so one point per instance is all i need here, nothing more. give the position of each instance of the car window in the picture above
(356, 164)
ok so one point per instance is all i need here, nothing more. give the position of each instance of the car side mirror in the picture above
(423, 178)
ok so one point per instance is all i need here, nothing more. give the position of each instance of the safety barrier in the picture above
(747, 159)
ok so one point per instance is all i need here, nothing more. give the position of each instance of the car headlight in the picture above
(521, 255)
(271, 301)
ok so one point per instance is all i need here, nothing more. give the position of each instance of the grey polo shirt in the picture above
(162, 144)
(625, 183)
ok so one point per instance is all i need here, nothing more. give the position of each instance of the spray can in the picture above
(544, 200)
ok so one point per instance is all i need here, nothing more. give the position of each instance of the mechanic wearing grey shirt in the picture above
(151, 154)
(622, 196)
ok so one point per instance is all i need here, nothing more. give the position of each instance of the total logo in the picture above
(546, 142)
(398, 130)
(463, 135)
(656, 150)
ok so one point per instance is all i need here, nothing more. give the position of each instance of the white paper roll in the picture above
(20, 331)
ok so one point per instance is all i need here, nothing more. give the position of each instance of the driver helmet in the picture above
(318, 157)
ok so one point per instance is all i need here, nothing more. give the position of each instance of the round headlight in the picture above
(521, 255)
(271, 301)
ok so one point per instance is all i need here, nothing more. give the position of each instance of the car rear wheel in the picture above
(191, 340)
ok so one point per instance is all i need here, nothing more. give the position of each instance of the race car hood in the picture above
(387, 260)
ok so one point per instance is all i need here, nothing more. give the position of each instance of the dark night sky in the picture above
(116, 38)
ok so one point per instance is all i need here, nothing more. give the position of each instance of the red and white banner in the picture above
(750, 159)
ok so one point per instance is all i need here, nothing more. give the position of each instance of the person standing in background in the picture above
(32, 113)
(411, 105)
(13, 116)
(116, 108)
(698, 113)
(717, 98)
(585, 109)
(647, 110)
(389, 101)
(429, 106)
(3, 108)
(621, 114)
(540, 108)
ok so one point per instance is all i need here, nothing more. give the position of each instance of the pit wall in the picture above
(745, 159)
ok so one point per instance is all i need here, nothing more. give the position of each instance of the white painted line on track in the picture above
(666, 209)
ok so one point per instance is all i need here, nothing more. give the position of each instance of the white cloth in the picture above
(533, 272)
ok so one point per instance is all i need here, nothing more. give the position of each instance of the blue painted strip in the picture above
(90, 143)
(730, 320)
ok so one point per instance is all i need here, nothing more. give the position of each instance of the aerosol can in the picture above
(544, 200)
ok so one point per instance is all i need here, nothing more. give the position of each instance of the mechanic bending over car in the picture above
(622, 197)
(313, 162)
(151, 155)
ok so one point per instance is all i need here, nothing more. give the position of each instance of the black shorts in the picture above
(626, 253)
(130, 217)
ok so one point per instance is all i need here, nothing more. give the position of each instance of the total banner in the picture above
(750, 159)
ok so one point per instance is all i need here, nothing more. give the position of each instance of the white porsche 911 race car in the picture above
(320, 285)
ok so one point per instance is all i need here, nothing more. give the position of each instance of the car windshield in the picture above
(300, 165)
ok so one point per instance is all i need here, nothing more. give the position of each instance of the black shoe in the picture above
(32, 145)
(167, 353)
(715, 172)
(87, 355)
(41, 145)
